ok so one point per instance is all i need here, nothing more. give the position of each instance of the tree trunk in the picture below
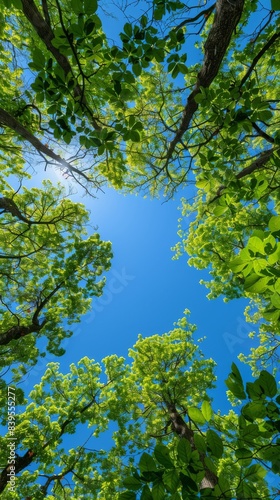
(180, 427)
(227, 16)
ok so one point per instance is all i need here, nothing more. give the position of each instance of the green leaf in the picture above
(117, 87)
(276, 283)
(161, 453)
(144, 21)
(127, 495)
(128, 29)
(274, 222)
(38, 58)
(182, 68)
(159, 12)
(77, 6)
(196, 415)
(199, 98)
(236, 373)
(147, 463)
(236, 389)
(254, 390)
(238, 264)
(95, 142)
(171, 480)
(137, 70)
(271, 315)
(137, 126)
(255, 472)
(90, 6)
(255, 284)
(219, 210)
(159, 55)
(202, 183)
(244, 491)
(188, 483)
(275, 4)
(196, 464)
(223, 489)
(200, 443)
(268, 383)
(270, 245)
(146, 493)
(210, 464)
(250, 432)
(256, 245)
(184, 451)
(215, 443)
(243, 453)
(101, 149)
(89, 27)
(158, 490)
(134, 136)
(259, 266)
(272, 410)
(176, 496)
(265, 115)
(242, 422)
(254, 409)
(128, 77)
(132, 483)
(235, 383)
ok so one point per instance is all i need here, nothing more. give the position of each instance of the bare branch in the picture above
(203, 13)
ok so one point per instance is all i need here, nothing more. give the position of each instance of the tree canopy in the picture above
(97, 93)
(176, 97)
(223, 455)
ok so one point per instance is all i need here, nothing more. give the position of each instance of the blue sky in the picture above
(146, 291)
(157, 289)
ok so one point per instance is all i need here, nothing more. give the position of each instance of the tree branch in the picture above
(20, 464)
(46, 11)
(46, 34)
(202, 13)
(8, 205)
(256, 59)
(263, 134)
(226, 18)
(259, 163)
(182, 430)
(23, 462)
(18, 331)
(9, 121)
